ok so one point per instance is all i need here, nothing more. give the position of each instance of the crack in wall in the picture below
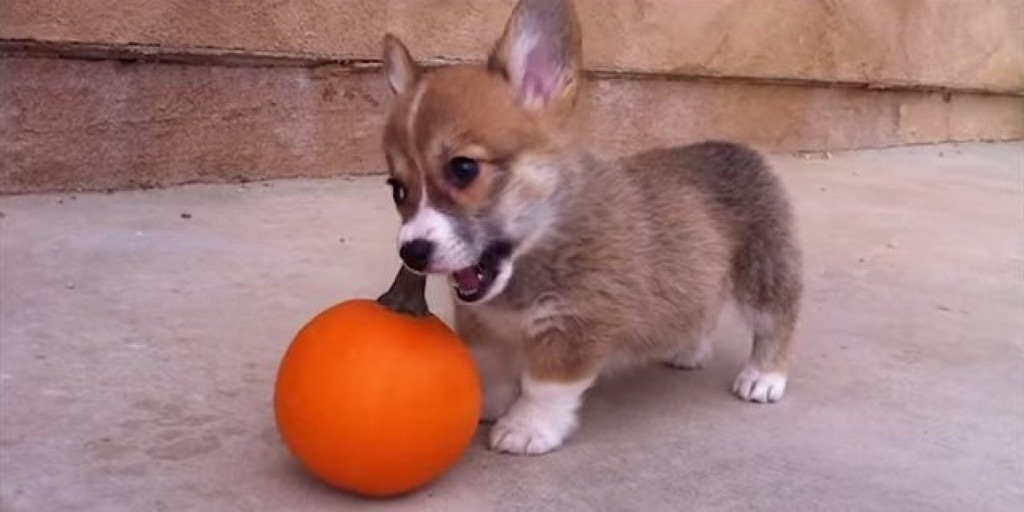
(335, 64)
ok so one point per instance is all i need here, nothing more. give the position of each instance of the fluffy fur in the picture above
(585, 266)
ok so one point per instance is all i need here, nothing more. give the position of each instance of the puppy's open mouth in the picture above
(472, 283)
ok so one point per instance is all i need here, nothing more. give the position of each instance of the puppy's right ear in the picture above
(399, 67)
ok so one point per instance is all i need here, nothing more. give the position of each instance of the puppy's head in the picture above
(472, 151)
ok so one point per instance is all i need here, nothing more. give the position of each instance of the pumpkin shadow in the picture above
(294, 474)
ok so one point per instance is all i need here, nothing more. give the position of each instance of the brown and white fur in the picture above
(565, 267)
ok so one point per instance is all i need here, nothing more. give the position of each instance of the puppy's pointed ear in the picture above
(399, 67)
(540, 54)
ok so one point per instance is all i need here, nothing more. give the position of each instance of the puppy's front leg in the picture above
(551, 392)
(499, 372)
(497, 361)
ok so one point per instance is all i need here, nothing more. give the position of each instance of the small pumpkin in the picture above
(376, 402)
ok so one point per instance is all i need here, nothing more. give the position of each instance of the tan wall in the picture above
(962, 44)
(76, 124)
(105, 118)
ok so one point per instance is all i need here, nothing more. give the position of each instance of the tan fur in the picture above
(614, 264)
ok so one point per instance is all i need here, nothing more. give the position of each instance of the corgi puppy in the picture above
(563, 267)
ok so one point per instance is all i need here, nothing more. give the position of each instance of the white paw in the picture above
(531, 430)
(755, 385)
(692, 358)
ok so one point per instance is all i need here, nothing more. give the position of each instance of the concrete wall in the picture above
(111, 94)
(964, 44)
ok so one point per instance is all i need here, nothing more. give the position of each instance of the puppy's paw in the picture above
(531, 430)
(693, 358)
(755, 385)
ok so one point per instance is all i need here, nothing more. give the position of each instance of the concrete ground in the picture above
(139, 349)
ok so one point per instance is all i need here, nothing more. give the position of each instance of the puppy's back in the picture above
(747, 201)
(735, 179)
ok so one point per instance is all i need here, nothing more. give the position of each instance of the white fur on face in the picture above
(541, 419)
(523, 219)
(756, 385)
(528, 215)
(500, 281)
(525, 206)
(451, 253)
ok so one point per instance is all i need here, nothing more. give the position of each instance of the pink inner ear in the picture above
(540, 74)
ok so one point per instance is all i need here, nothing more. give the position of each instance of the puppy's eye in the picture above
(398, 190)
(462, 171)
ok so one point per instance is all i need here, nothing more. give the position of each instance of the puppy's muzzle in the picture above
(416, 254)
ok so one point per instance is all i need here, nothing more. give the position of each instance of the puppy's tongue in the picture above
(467, 279)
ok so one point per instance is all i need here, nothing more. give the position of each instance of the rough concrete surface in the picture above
(138, 350)
(75, 124)
(973, 45)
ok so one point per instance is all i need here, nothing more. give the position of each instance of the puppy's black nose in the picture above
(416, 254)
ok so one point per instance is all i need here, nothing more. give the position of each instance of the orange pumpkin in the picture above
(376, 402)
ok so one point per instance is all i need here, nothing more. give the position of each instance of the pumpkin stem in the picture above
(407, 294)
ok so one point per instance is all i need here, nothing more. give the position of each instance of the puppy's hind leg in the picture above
(764, 377)
(768, 288)
(697, 349)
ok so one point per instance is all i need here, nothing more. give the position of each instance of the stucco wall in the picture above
(963, 44)
(77, 124)
(292, 88)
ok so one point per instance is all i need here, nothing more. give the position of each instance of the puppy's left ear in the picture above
(540, 54)
(400, 69)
